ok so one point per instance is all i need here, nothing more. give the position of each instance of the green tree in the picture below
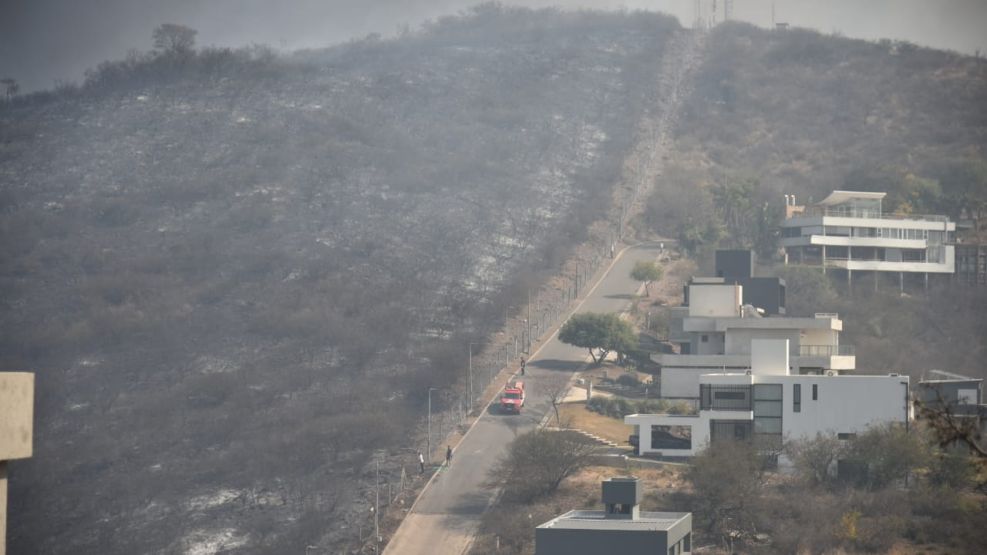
(807, 290)
(647, 272)
(964, 188)
(598, 332)
(886, 455)
(735, 205)
(172, 38)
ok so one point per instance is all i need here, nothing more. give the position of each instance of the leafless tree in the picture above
(951, 429)
(174, 38)
(11, 88)
(538, 461)
(557, 390)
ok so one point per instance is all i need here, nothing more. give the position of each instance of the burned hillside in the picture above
(235, 273)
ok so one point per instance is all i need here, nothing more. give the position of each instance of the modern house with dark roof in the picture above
(620, 528)
(960, 396)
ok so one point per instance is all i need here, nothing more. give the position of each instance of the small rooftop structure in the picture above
(620, 527)
(842, 197)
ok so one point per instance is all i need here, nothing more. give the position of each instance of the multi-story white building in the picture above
(848, 232)
(713, 333)
(769, 404)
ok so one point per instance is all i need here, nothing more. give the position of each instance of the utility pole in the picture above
(377, 507)
(428, 440)
(469, 378)
(528, 348)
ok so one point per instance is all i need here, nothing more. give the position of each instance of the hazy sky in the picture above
(42, 41)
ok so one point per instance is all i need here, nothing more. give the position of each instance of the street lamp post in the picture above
(469, 378)
(528, 324)
(428, 439)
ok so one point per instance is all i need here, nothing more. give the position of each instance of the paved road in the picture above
(447, 514)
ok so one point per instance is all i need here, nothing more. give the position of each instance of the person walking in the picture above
(421, 463)
(522, 366)
(448, 455)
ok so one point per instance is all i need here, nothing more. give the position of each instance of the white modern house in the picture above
(769, 404)
(714, 331)
(849, 232)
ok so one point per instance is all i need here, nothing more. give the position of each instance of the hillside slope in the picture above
(236, 274)
(799, 112)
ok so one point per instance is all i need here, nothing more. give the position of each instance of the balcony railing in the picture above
(812, 211)
(826, 350)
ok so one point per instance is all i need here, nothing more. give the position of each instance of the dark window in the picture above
(619, 509)
(797, 398)
(734, 395)
(705, 339)
(724, 397)
(845, 435)
(815, 392)
(768, 408)
(737, 430)
(687, 543)
(671, 437)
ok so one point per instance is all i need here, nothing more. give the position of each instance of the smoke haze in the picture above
(43, 42)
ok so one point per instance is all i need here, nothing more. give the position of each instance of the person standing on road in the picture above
(421, 463)
(448, 455)
(522, 366)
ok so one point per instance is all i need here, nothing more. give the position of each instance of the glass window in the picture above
(797, 398)
(671, 437)
(815, 392)
(732, 395)
(767, 425)
(767, 392)
(767, 408)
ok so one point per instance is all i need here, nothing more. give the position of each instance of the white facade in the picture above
(716, 330)
(806, 405)
(848, 230)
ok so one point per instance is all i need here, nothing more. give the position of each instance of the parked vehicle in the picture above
(512, 399)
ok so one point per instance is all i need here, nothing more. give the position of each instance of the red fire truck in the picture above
(512, 399)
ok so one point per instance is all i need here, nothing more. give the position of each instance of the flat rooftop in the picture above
(839, 197)
(942, 376)
(596, 520)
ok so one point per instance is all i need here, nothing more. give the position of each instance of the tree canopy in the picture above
(174, 38)
(598, 332)
(647, 272)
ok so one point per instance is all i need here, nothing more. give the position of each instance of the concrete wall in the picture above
(16, 432)
(714, 345)
(769, 357)
(556, 541)
(16, 415)
(699, 425)
(844, 404)
(739, 339)
(715, 300)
